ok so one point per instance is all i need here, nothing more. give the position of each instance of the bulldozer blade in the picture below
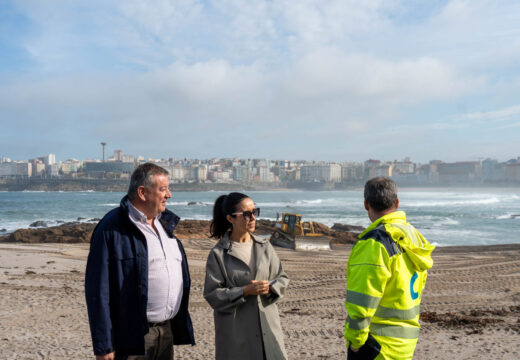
(279, 238)
(312, 243)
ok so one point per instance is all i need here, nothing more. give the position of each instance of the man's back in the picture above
(386, 274)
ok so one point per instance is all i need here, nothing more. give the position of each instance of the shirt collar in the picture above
(136, 214)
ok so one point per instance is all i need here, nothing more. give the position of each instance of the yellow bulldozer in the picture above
(292, 233)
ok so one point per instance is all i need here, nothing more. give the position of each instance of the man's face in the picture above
(157, 194)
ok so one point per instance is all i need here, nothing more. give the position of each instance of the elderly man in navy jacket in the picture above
(137, 281)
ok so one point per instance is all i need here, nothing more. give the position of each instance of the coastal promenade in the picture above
(470, 308)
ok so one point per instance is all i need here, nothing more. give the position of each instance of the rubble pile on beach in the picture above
(80, 232)
(65, 233)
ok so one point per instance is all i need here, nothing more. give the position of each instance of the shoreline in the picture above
(64, 232)
(121, 185)
(241, 187)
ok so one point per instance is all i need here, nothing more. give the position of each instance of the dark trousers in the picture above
(158, 344)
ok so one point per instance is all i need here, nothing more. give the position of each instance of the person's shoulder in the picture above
(111, 221)
(375, 241)
(218, 247)
(216, 253)
(170, 217)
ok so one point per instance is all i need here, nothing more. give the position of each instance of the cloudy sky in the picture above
(309, 79)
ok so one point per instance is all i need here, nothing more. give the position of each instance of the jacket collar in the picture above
(398, 216)
(226, 243)
(168, 218)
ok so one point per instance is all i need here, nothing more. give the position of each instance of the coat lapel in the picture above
(259, 253)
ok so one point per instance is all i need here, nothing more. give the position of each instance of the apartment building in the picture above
(321, 172)
(459, 172)
(15, 169)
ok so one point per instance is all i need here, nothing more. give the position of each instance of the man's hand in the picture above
(257, 287)
(353, 349)
(109, 356)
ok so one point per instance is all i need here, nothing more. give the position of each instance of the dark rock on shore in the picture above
(66, 233)
(265, 227)
(338, 236)
(349, 228)
(75, 232)
(39, 223)
(3, 230)
(192, 229)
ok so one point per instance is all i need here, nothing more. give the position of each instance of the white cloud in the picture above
(448, 126)
(513, 125)
(162, 18)
(495, 115)
(344, 93)
(233, 67)
(328, 72)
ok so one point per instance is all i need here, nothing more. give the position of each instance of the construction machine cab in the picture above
(292, 233)
(291, 223)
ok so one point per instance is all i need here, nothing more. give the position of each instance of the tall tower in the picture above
(103, 145)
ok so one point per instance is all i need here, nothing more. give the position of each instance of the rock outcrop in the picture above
(66, 233)
(76, 232)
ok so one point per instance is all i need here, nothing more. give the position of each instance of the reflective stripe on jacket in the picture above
(386, 274)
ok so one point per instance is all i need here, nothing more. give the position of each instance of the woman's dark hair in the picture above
(224, 205)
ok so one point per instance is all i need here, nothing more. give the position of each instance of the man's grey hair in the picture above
(143, 176)
(381, 193)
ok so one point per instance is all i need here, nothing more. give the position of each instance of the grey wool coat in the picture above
(245, 327)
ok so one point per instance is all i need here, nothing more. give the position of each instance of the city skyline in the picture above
(318, 80)
(250, 172)
(122, 156)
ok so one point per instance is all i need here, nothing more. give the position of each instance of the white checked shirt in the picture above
(164, 268)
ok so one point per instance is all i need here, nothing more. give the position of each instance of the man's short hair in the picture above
(143, 176)
(381, 193)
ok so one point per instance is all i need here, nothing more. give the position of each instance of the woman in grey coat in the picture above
(244, 280)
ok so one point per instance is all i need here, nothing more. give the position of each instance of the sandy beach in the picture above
(470, 308)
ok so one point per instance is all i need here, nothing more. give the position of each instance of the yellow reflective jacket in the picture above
(386, 274)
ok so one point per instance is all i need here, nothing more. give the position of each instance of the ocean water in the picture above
(444, 216)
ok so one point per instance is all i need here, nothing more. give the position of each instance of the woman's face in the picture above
(243, 223)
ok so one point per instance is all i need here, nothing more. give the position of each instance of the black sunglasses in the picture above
(249, 213)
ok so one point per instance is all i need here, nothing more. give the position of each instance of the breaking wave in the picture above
(508, 216)
(448, 203)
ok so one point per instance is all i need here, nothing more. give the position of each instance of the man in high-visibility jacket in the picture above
(386, 274)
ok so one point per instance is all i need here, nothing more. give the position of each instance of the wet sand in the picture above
(470, 308)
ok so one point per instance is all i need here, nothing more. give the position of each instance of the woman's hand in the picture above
(257, 287)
